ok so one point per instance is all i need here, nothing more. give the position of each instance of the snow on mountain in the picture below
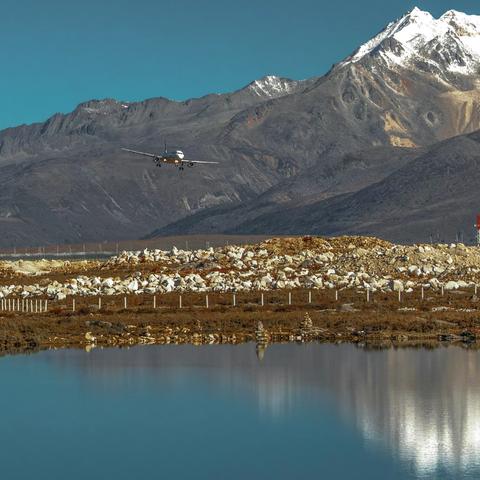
(272, 87)
(453, 40)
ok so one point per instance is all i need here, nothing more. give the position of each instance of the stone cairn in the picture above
(306, 327)
(262, 338)
(261, 335)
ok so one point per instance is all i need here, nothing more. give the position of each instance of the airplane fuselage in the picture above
(175, 157)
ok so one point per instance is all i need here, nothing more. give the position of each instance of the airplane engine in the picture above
(190, 164)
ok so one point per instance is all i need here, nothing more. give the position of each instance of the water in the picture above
(313, 411)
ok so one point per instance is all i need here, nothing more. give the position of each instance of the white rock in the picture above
(397, 286)
(451, 285)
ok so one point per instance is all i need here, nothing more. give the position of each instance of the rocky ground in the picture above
(308, 262)
(420, 293)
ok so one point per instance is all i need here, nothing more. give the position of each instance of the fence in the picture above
(24, 305)
(322, 299)
(108, 248)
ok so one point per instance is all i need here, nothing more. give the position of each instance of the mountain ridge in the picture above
(281, 144)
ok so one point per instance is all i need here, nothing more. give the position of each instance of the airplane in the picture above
(172, 157)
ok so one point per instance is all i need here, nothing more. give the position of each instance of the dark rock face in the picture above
(317, 156)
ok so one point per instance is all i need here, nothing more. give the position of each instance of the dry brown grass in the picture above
(350, 319)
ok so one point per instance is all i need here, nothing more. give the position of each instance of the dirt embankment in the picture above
(354, 289)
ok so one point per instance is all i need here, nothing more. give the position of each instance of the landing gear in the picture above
(180, 168)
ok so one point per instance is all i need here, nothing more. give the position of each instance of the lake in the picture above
(223, 411)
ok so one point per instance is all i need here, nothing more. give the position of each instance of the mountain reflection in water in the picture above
(422, 405)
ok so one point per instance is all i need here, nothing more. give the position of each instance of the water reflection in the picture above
(423, 406)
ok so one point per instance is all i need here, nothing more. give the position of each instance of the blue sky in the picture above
(58, 53)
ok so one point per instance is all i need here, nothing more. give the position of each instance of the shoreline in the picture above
(375, 324)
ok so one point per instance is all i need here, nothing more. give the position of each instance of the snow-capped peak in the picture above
(418, 32)
(272, 87)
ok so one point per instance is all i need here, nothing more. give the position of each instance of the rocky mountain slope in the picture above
(418, 80)
(284, 146)
(434, 197)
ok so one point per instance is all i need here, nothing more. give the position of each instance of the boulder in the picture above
(397, 285)
(451, 285)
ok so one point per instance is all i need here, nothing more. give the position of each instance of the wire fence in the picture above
(109, 248)
(320, 299)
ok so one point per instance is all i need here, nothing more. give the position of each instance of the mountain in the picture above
(412, 86)
(287, 149)
(433, 197)
(66, 180)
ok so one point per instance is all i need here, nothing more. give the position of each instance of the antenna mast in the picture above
(477, 226)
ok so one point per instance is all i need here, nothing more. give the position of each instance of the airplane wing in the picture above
(151, 155)
(199, 162)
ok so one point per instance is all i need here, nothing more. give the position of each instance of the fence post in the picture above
(442, 291)
(336, 295)
(423, 293)
(289, 298)
(36, 306)
(309, 296)
(125, 303)
(46, 306)
(475, 289)
(368, 295)
(206, 301)
(262, 300)
(179, 301)
(154, 302)
(234, 300)
(99, 303)
(399, 296)
(73, 304)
